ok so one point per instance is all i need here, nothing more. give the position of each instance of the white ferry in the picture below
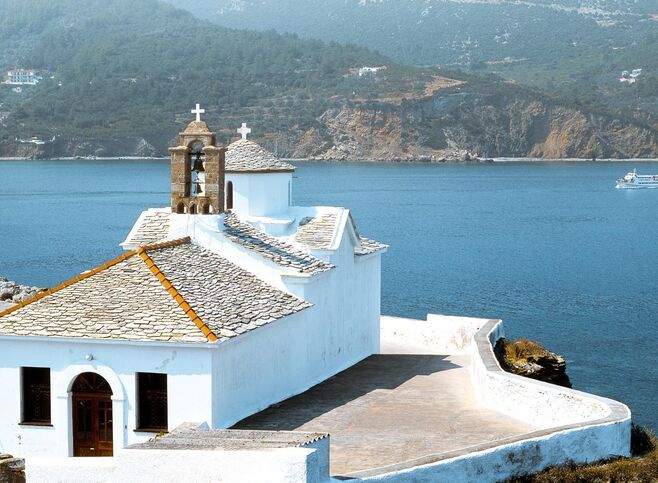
(634, 180)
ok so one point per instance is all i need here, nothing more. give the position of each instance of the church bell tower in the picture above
(197, 170)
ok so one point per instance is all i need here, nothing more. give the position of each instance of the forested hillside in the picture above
(130, 67)
(576, 49)
(119, 78)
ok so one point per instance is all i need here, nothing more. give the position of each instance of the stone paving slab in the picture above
(392, 408)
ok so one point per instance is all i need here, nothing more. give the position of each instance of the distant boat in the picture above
(634, 180)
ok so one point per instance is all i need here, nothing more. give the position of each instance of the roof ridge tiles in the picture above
(164, 244)
(280, 252)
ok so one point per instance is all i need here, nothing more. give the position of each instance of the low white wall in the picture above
(534, 402)
(444, 334)
(283, 465)
(576, 426)
(503, 462)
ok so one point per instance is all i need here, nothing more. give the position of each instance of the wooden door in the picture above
(92, 425)
(92, 416)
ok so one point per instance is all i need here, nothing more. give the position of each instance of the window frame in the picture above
(26, 415)
(140, 400)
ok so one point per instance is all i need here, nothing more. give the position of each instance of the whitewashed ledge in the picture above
(575, 426)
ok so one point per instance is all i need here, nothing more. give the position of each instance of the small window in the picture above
(35, 399)
(229, 195)
(151, 401)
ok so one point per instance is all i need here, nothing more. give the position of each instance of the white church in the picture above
(224, 303)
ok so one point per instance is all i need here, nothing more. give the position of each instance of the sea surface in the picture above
(551, 248)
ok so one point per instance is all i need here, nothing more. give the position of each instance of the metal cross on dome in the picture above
(198, 111)
(244, 130)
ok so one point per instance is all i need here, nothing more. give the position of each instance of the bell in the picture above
(197, 189)
(198, 164)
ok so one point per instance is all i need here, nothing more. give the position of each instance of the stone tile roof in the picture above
(229, 300)
(132, 298)
(230, 439)
(317, 232)
(247, 156)
(153, 226)
(281, 253)
(368, 246)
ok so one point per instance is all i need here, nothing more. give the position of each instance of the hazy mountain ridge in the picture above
(471, 30)
(573, 48)
(120, 78)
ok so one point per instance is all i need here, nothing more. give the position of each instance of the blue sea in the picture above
(551, 248)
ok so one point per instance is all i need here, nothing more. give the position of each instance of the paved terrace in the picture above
(392, 408)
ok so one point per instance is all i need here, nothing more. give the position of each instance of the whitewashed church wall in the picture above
(293, 354)
(262, 194)
(349, 301)
(262, 367)
(188, 381)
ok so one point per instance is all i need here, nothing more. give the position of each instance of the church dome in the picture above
(244, 156)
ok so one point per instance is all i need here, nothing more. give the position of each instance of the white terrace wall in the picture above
(285, 465)
(189, 387)
(535, 402)
(443, 334)
(576, 426)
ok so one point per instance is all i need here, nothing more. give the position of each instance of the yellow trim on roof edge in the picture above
(169, 287)
(65, 284)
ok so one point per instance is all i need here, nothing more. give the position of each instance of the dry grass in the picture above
(523, 350)
(439, 82)
(642, 468)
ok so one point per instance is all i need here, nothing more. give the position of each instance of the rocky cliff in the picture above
(464, 126)
(78, 147)
(453, 124)
(13, 293)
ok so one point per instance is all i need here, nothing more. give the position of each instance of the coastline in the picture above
(575, 160)
(478, 161)
(98, 158)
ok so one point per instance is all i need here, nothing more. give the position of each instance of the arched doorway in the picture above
(92, 415)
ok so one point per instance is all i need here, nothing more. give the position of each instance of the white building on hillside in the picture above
(365, 70)
(228, 301)
(23, 77)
